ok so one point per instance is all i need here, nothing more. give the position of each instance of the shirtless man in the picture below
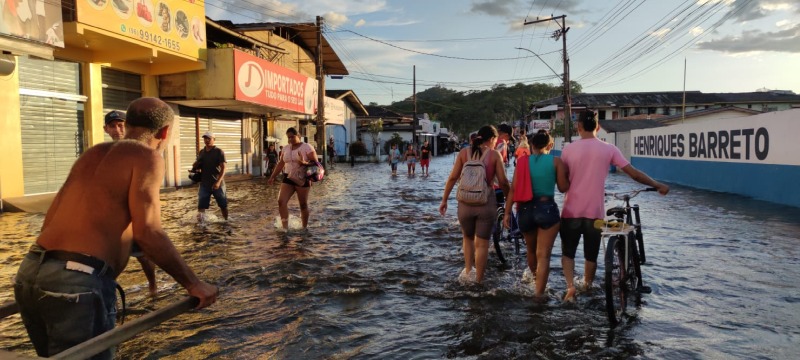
(115, 128)
(65, 286)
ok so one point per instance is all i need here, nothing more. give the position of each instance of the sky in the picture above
(613, 45)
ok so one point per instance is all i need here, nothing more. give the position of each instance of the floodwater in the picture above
(375, 276)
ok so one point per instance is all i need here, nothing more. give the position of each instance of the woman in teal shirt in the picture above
(539, 219)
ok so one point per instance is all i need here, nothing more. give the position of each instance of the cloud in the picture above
(507, 8)
(660, 33)
(360, 23)
(335, 19)
(749, 10)
(393, 22)
(495, 7)
(696, 31)
(756, 40)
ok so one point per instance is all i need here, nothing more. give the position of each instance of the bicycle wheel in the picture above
(615, 280)
(634, 267)
(640, 241)
(498, 234)
(519, 240)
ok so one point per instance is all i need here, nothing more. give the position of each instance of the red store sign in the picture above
(262, 82)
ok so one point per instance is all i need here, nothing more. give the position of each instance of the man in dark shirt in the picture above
(211, 162)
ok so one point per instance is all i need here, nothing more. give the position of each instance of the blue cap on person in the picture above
(209, 135)
(114, 115)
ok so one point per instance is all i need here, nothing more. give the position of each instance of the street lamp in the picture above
(540, 58)
(567, 101)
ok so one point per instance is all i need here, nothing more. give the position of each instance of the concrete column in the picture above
(92, 80)
(11, 180)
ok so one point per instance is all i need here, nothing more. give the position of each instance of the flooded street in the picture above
(375, 276)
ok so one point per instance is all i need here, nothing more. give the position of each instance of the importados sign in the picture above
(262, 82)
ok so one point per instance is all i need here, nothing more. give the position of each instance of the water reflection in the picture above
(376, 273)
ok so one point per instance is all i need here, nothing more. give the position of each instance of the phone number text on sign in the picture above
(158, 40)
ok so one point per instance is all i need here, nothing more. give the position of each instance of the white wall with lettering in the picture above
(769, 138)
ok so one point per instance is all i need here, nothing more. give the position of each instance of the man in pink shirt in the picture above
(587, 161)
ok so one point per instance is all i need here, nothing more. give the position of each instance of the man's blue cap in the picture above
(115, 115)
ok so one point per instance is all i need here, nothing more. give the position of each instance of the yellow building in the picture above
(69, 71)
(63, 70)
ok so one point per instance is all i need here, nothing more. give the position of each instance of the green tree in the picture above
(465, 111)
(395, 140)
(374, 129)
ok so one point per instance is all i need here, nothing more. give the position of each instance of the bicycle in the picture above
(623, 257)
(502, 235)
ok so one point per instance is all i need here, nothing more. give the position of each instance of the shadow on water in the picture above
(375, 276)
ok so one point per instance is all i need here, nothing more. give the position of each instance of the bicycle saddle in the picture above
(617, 211)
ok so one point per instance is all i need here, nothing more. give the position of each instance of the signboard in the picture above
(174, 25)
(334, 111)
(765, 139)
(35, 20)
(537, 125)
(262, 82)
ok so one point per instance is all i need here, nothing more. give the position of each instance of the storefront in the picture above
(253, 101)
(66, 67)
(227, 129)
(51, 114)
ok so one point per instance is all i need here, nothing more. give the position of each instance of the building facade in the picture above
(61, 71)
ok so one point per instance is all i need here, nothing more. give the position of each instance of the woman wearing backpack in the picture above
(476, 214)
(538, 218)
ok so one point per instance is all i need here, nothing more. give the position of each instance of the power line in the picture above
(430, 54)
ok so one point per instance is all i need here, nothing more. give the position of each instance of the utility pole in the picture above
(562, 33)
(415, 122)
(322, 140)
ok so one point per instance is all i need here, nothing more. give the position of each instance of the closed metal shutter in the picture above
(119, 90)
(51, 115)
(228, 137)
(188, 150)
(227, 132)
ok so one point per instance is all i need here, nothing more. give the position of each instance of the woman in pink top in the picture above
(477, 220)
(294, 156)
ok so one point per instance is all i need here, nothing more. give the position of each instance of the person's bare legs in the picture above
(481, 255)
(283, 204)
(530, 245)
(302, 197)
(544, 248)
(468, 247)
(569, 273)
(150, 273)
(224, 212)
(588, 275)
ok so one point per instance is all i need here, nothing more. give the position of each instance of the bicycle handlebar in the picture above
(629, 194)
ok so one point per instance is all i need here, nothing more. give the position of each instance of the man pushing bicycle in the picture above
(587, 161)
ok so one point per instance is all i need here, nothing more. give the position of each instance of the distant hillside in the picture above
(466, 111)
